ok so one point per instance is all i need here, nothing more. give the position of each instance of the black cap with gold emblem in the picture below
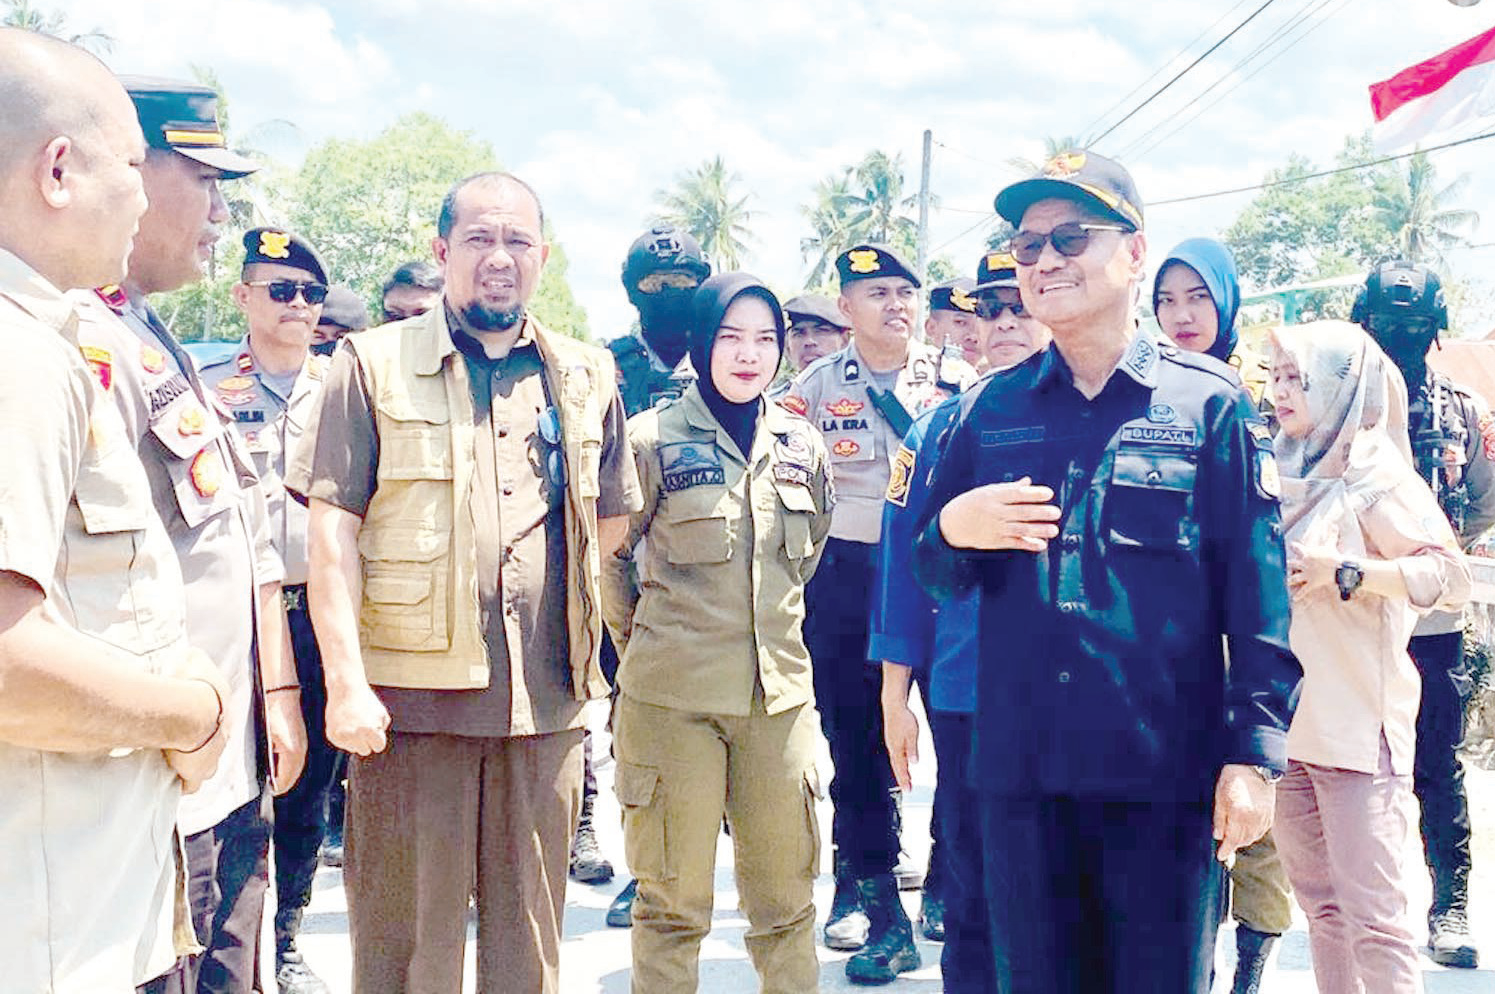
(996, 268)
(871, 260)
(1099, 183)
(954, 295)
(183, 117)
(281, 247)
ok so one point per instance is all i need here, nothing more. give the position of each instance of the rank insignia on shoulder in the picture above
(845, 448)
(101, 363)
(207, 472)
(1259, 431)
(114, 297)
(245, 362)
(794, 402)
(902, 476)
(153, 359)
(851, 371)
(1268, 480)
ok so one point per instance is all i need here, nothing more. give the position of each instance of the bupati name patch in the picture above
(1159, 435)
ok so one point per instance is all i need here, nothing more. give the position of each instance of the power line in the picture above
(1182, 72)
(1159, 70)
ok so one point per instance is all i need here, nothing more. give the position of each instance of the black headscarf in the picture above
(740, 421)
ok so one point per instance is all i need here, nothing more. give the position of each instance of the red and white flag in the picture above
(1443, 98)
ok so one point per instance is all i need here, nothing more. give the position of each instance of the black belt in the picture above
(294, 597)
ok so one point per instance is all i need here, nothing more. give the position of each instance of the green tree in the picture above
(876, 206)
(32, 17)
(704, 202)
(830, 227)
(1421, 217)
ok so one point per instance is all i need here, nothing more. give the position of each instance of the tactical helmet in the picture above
(663, 246)
(1403, 289)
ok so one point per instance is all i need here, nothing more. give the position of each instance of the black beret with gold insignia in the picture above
(996, 268)
(954, 295)
(183, 117)
(814, 307)
(1099, 183)
(871, 260)
(283, 248)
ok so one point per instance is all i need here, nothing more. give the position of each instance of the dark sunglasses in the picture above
(284, 291)
(991, 304)
(1070, 238)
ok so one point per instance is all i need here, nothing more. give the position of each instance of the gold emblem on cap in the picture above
(275, 245)
(1064, 164)
(963, 300)
(862, 260)
(1000, 260)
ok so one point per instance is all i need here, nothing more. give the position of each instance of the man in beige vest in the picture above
(106, 715)
(466, 469)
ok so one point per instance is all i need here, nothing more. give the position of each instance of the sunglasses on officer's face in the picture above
(991, 303)
(1071, 238)
(284, 291)
(655, 282)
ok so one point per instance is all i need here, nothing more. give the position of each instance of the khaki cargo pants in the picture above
(678, 773)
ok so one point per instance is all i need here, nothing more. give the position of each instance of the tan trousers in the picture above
(435, 819)
(678, 773)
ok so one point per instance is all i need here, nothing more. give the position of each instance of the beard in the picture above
(481, 318)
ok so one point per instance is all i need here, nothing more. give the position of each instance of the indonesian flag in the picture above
(1446, 97)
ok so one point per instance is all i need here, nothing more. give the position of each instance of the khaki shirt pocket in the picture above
(405, 588)
(202, 480)
(691, 527)
(415, 446)
(799, 512)
(645, 827)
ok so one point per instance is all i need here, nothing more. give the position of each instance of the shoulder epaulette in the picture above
(114, 297)
(1200, 361)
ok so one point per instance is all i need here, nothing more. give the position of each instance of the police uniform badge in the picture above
(902, 476)
(845, 448)
(191, 422)
(963, 300)
(207, 472)
(862, 261)
(275, 244)
(1268, 479)
(101, 363)
(793, 464)
(152, 359)
(795, 403)
(1064, 164)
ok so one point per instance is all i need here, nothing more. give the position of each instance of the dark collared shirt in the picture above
(1103, 669)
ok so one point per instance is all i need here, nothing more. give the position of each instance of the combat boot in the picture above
(846, 925)
(588, 865)
(1449, 941)
(620, 912)
(932, 916)
(890, 948)
(1251, 951)
(292, 975)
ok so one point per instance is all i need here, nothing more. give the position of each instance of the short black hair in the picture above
(448, 216)
(418, 274)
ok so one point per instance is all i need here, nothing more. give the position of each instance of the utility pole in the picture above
(921, 265)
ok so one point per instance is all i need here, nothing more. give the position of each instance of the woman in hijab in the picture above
(1196, 298)
(1368, 550)
(715, 713)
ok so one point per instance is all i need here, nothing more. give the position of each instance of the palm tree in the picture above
(830, 223)
(26, 15)
(1051, 147)
(877, 212)
(704, 203)
(1420, 217)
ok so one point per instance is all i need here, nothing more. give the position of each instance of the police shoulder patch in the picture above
(1268, 479)
(794, 402)
(902, 476)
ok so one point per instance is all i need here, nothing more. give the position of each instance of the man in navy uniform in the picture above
(1114, 502)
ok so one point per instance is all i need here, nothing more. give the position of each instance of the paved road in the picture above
(595, 959)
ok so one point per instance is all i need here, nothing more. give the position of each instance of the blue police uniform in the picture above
(1104, 706)
(939, 644)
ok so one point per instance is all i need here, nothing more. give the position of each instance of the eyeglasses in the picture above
(1071, 238)
(991, 303)
(284, 291)
(655, 282)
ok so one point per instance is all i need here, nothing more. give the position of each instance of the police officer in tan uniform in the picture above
(270, 385)
(209, 497)
(863, 399)
(106, 714)
(715, 714)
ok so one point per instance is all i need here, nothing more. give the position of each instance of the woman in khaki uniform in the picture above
(715, 713)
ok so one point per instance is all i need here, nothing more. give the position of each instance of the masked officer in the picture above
(208, 493)
(864, 399)
(271, 384)
(342, 312)
(661, 272)
(1453, 444)
(1113, 501)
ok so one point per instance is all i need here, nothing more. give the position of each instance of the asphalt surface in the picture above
(595, 958)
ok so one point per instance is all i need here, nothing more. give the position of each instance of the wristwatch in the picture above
(1268, 774)
(1348, 576)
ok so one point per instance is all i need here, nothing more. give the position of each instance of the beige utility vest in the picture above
(420, 624)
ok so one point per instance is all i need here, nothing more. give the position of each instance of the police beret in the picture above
(1093, 180)
(814, 307)
(283, 248)
(868, 261)
(183, 117)
(345, 309)
(996, 269)
(953, 295)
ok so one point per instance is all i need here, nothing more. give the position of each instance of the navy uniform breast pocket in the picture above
(1149, 501)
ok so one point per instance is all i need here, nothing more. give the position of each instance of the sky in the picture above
(601, 104)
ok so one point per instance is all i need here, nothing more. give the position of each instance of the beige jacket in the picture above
(717, 604)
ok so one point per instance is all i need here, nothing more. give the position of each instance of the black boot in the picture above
(890, 948)
(1251, 951)
(588, 865)
(846, 925)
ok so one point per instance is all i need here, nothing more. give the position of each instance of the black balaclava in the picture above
(740, 421)
(664, 319)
